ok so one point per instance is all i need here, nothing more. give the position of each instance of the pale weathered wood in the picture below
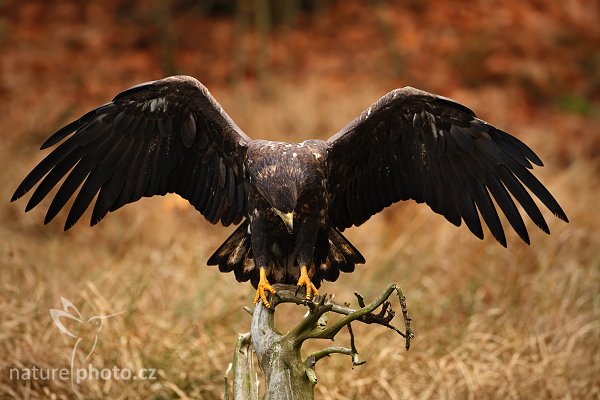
(287, 375)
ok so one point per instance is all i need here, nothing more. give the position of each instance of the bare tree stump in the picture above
(279, 357)
(287, 375)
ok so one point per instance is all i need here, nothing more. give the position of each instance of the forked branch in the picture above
(279, 354)
(309, 328)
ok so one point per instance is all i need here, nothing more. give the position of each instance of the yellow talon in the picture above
(304, 280)
(263, 287)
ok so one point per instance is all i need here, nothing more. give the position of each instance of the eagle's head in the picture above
(281, 185)
(283, 198)
(282, 173)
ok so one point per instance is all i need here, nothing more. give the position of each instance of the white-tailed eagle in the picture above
(292, 200)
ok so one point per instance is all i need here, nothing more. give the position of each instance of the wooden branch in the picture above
(331, 331)
(279, 354)
(226, 383)
(317, 309)
(326, 352)
(243, 370)
(360, 299)
(409, 333)
(355, 361)
(312, 359)
(287, 294)
(321, 305)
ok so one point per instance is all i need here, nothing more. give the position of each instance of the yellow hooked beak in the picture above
(288, 220)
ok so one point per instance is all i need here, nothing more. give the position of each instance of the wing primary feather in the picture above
(465, 203)
(446, 194)
(40, 170)
(462, 137)
(523, 148)
(397, 180)
(136, 175)
(86, 194)
(99, 173)
(507, 206)
(539, 190)
(441, 194)
(53, 177)
(181, 177)
(109, 192)
(97, 177)
(410, 177)
(170, 150)
(471, 216)
(485, 205)
(501, 140)
(75, 125)
(428, 184)
(154, 167)
(64, 132)
(94, 150)
(73, 181)
(522, 196)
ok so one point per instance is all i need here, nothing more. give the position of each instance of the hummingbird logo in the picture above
(86, 329)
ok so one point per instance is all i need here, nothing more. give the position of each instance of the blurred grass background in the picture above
(489, 322)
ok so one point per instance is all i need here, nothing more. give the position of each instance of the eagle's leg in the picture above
(263, 287)
(304, 280)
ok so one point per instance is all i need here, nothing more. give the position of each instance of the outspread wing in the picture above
(414, 145)
(155, 138)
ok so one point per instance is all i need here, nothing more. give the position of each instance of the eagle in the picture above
(291, 200)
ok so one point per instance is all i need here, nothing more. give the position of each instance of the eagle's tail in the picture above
(334, 253)
(235, 254)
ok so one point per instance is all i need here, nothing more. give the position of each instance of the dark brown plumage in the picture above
(171, 136)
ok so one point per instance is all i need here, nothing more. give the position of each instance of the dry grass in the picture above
(489, 322)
